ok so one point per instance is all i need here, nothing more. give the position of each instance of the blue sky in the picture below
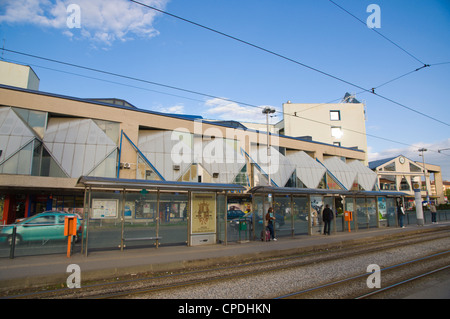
(125, 38)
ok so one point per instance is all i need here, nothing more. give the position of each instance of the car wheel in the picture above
(18, 240)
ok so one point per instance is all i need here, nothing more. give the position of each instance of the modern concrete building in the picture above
(175, 178)
(340, 124)
(18, 75)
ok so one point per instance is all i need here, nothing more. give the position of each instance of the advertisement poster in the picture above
(381, 208)
(104, 208)
(316, 212)
(203, 213)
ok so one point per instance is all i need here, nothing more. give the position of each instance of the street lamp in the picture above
(424, 171)
(268, 110)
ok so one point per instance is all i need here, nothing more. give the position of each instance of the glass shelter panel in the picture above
(350, 207)
(173, 226)
(317, 206)
(382, 211)
(362, 214)
(221, 218)
(330, 202)
(301, 215)
(390, 212)
(104, 220)
(283, 216)
(139, 218)
(259, 210)
(371, 206)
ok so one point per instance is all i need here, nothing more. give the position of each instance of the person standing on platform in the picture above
(327, 217)
(400, 215)
(433, 212)
(270, 217)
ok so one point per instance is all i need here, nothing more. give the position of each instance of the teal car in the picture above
(43, 227)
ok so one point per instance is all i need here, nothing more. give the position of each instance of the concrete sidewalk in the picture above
(43, 270)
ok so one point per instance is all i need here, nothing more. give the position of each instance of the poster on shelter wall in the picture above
(203, 218)
(382, 208)
(316, 210)
(104, 208)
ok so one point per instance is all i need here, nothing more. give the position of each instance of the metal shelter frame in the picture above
(91, 183)
(345, 194)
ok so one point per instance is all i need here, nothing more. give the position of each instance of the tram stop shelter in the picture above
(120, 213)
(298, 211)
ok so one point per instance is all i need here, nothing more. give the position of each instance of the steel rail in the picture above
(356, 277)
(378, 291)
(323, 255)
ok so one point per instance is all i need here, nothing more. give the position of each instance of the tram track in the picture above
(356, 286)
(168, 285)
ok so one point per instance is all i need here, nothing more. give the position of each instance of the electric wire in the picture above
(250, 44)
(198, 93)
(379, 33)
(298, 62)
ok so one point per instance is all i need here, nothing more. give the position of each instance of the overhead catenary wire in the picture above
(372, 90)
(189, 91)
(378, 32)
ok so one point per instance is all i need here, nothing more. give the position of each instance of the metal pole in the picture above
(267, 111)
(226, 219)
(268, 147)
(122, 217)
(292, 216)
(87, 214)
(425, 172)
(188, 216)
(157, 219)
(13, 243)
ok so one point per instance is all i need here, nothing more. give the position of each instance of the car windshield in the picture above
(46, 219)
(42, 221)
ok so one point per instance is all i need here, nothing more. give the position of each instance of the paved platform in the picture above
(24, 272)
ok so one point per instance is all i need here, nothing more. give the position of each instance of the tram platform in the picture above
(52, 270)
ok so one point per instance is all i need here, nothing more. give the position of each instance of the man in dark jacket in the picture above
(327, 217)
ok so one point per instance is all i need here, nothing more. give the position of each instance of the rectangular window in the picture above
(335, 115)
(336, 132)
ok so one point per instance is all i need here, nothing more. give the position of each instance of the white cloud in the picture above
(176, 109)
(223, 109)
(103, 21)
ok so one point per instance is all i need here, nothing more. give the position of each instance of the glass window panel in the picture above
(336, 132)
(301, 215)
(317, 206)
(283, 216)
(49, 167)
(105, 226)
(371, 212)
(335, 115)
(259, 209)
(19, 163)
(361, 210)
(173, 217)
(391, 212)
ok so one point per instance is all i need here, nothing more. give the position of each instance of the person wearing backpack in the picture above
(327, 217)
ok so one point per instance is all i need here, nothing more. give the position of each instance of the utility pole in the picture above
(268, 110)
(417, 193)
(425, 172)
